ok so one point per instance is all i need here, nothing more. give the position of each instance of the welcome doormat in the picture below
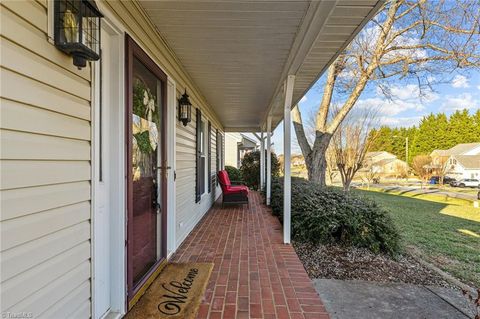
(176, 293)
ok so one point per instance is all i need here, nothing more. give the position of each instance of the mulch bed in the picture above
(336, 262)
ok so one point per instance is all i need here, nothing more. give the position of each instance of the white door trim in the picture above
(171, 149)
(115, 169)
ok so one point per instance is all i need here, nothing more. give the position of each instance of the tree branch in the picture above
(453, 29)
(431, 47)
(409, 60)
(300, 132)
(321, 120)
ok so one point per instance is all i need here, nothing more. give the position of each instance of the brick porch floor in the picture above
(255, 274)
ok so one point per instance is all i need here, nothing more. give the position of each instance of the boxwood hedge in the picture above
(233, 173)
(329, 215)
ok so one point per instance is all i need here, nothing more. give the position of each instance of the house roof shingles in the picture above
(458, 149)
(469, 161)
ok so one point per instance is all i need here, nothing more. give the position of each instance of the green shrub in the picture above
(233, 173)
(328, 215)
(250, 168)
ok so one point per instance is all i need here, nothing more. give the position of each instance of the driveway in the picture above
(371, 300)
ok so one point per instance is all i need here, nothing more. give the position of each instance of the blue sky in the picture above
(459, 91)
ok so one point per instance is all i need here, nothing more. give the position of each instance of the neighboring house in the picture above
(463, 166)
(236, 146)
(100, 181)
(460, 161)
(384, 163)
(298, 160)
(295, 160)
(372, 157)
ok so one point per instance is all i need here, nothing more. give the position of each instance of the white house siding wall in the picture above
(189, 213)
(472, 173)
(45, 170)
(231, 149)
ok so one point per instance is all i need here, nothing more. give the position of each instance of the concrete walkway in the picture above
(369, 300)
(417, 190)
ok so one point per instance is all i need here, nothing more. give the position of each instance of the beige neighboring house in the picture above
(384, 163)
(440, 157)
(92, 157)
(460, 161)
(236, 146)
(298, 160)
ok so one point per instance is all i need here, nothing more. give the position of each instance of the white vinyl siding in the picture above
(231, 149)
(45, 164)
(188, 212)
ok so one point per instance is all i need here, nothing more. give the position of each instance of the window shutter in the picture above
(198, 169)
(209, 162)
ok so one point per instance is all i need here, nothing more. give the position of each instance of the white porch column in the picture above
(269, 160)
(287, 180)
(262, 161)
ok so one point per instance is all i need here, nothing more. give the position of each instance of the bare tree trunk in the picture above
(346, 187)
(316, 161)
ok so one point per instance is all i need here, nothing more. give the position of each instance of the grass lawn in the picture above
(447, 233)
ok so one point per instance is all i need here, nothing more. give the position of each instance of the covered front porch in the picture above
(255, 274)
(74, 142)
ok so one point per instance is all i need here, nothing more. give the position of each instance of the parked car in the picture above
(466, 182)
(446, 180)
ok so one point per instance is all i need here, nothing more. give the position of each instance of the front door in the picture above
(146, 167)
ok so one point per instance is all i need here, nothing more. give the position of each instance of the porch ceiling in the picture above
(238, 52)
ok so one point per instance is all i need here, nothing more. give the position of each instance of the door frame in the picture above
(133, 50)
(116, 170)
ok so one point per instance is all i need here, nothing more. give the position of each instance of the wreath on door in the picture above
(145, 128)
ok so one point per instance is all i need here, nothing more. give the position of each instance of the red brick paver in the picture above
(255, 274)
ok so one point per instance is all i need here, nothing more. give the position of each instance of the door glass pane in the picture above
(146, 158)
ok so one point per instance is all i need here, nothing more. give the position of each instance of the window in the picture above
(202, 137)
(218, 141)
(209, 162)
(200, 157)
(203, 157)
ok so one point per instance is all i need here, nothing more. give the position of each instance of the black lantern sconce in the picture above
(77, 30)
(184, 109)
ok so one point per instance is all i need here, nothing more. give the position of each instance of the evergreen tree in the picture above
(476, 119)
(461, 128)
(427, 131)
(441, 136)
(435, 131)
(383, 138)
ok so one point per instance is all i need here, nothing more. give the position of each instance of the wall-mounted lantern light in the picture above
(184, 109)
(77, 30)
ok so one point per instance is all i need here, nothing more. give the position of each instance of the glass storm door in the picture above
(146, 160)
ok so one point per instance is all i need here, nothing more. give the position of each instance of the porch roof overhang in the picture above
(239, 53)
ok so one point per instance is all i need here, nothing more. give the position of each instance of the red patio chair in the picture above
(233, 192)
